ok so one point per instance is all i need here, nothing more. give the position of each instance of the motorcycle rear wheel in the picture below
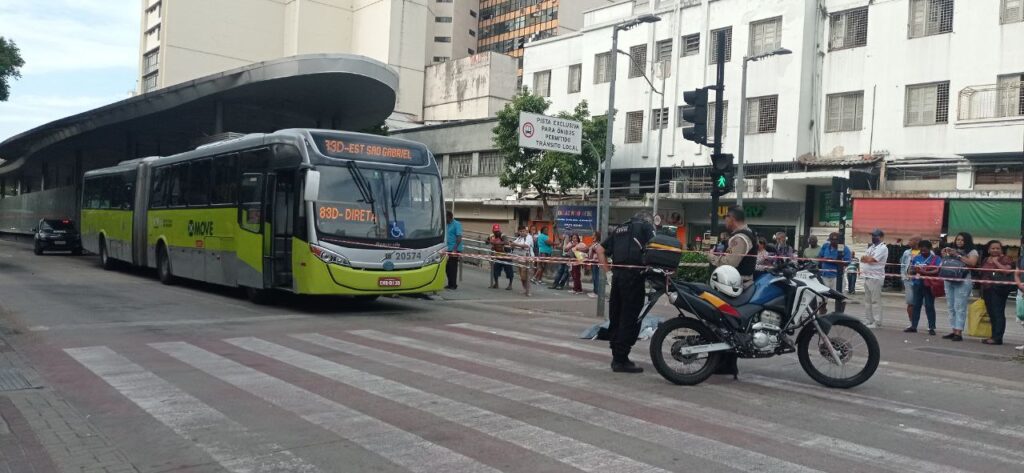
(684, 331)
(862, 354)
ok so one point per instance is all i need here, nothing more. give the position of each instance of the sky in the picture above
(79, 55)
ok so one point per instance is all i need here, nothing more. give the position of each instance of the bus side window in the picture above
(176, 182)
(225, 180)
(250, 205)
(158, 196)
(197, 191)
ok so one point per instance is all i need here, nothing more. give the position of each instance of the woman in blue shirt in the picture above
(925, 263)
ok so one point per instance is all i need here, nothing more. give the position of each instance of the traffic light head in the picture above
(722, 174)
(696, 112)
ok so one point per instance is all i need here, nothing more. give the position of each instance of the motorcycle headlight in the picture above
(328, 256)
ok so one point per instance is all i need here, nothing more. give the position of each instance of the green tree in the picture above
(10, 66)
(547, 173)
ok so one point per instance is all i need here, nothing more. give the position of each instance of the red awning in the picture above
(898, 218)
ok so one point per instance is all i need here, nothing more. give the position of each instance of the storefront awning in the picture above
(898, 218)
(986, 219)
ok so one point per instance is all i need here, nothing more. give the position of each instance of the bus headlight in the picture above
(328, 256)
(434, 258)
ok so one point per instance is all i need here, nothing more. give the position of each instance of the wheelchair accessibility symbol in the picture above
(396, 229)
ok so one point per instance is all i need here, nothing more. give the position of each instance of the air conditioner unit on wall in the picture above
(679, 187)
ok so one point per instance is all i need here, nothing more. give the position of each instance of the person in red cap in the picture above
(499, 244)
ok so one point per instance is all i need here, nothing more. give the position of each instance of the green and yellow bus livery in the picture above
(304, 211)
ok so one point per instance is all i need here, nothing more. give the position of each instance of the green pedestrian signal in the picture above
(722, 174)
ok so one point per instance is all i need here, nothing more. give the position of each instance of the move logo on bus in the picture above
(200, 228)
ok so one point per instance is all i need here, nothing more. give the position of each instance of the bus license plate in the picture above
(389, 282)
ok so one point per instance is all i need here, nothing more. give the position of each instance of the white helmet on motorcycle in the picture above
(727, 280)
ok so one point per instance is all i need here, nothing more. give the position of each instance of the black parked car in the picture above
(57, 235)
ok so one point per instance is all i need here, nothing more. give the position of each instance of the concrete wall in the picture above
(20, 213)
(474, 87)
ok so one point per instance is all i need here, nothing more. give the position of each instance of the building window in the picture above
(690, 45)
(765, 36)
(634, 127)
(442, 39)
(492, 163)
(470, 51)
(1012, 11)
(659, 119)
(542, 83)
(663, 51)
(848, 29)
(998, 175)
(442, 19)
(150, 61)
(603, 65)
(845, 112)
(930, 17)
(472, 13)
(441, 58)
(575, 78)
(150, 82)
(460, 165)
(1011, 95)
(637, 60)
(472, 33)
(713, 52)
(762, 114)
(927, 104)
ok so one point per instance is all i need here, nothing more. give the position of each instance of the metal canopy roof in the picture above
(339, 91)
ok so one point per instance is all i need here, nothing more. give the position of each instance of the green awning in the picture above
(985, 219)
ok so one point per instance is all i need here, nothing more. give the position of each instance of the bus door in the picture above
(282, 226)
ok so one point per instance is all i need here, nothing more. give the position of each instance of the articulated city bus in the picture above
(304, 211)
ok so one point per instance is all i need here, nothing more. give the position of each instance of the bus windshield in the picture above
(366, 203)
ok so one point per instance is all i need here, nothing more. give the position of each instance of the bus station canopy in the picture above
(337, 91)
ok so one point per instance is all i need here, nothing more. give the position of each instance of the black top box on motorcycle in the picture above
(663, 251)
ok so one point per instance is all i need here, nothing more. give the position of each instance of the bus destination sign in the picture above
(348, 147)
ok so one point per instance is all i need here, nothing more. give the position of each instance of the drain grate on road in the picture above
(12, 380)
(964, 354)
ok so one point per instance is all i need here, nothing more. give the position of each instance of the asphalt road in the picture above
(195, 378)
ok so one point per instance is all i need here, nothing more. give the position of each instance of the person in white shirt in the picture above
(873, 269)
(522, 250)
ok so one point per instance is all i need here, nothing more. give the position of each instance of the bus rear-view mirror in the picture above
(312, 188)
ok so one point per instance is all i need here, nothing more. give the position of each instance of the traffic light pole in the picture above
(719, 105)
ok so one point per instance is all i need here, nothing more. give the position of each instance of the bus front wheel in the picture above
(163, 266)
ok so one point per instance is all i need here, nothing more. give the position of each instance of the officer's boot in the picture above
(621, 364)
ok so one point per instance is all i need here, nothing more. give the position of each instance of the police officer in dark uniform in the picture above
(625, 245)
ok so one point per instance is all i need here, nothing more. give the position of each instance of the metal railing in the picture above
(991, 101)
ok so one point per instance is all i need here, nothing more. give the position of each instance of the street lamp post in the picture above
(606, 193)
(740, 184)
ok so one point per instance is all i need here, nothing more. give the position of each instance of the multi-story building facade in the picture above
(453, 31)
(918, 98)
(182, 40)
(507, 25)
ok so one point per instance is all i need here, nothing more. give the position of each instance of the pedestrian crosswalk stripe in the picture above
(879, 459)
(698, 446)
(393, 444)
(227, 442)
(565, 449)
(895, 407)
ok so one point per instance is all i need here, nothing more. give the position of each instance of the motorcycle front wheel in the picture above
(855, 345)
(681, 369)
